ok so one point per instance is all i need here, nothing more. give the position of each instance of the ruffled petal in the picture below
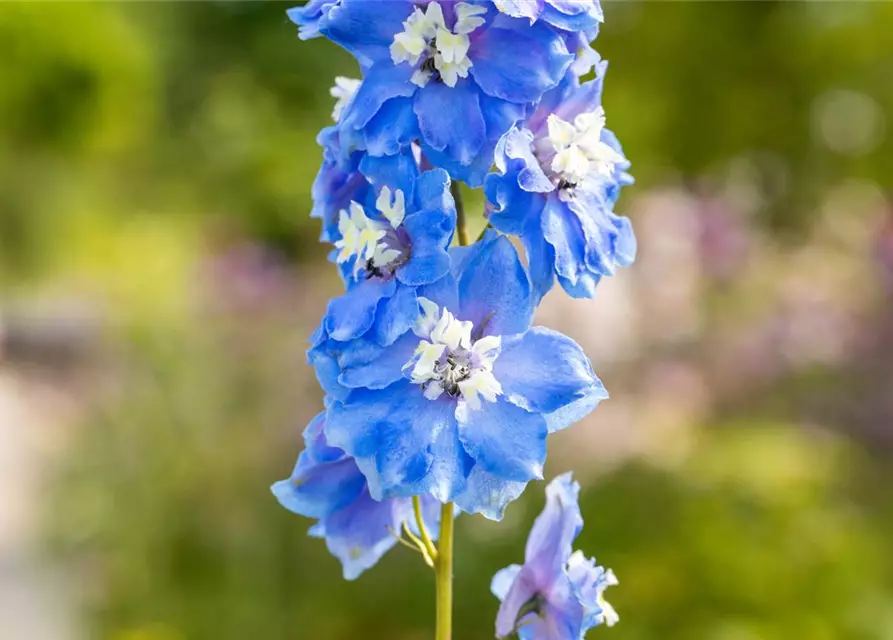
(351, 315)
(366, 29)
(383, 82)
(360, 534)
(487, 494)
(529, 9)
(505, 440)
(392, 129)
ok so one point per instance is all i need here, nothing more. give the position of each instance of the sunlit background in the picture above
(159, 276)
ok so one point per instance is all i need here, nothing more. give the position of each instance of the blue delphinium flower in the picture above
(386, 249)
(558, 593)
(452, 75)
(460, 407)
(559, 177)
(347, 176)
(327, 485)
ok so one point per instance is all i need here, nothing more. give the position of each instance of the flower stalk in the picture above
(443, 567)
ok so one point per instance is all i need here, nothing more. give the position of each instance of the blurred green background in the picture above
(159, 276)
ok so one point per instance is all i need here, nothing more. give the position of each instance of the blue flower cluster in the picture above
(438, 389)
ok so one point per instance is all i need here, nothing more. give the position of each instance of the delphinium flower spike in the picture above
(440, 395)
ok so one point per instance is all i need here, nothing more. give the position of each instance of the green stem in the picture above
(443, 563)
(444, 575)
(461, 230)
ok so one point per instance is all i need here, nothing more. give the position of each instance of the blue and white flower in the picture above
(453, 76)
(327, 485)
(559, 177)
(558, 594)
(347, 176)
(385, 252)
(460, 407)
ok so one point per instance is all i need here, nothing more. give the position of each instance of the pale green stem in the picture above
(444, 575)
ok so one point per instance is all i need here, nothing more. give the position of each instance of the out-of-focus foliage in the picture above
(158, 157)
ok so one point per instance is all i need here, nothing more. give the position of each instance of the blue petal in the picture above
(488, 494)
(366, 29)
(573, 15)
(364, 364)
(494, 291)
(391, 433)
(505, 440)
(396, 171)
(540, 259)
(315, 443)
(382, 82)
(562, 230)
(360, 534)
(396, 315)
(518, 65)
(316, 490)
(433, 192)
(393, 128)
(444, 292)
(471, 173)
(543, 371)
(352, 314)
(430, 233)
(308, 17)
(450, 119)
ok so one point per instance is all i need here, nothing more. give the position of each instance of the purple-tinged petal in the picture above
(551, 539)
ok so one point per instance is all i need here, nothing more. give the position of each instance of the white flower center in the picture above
(376, 245)
(574, 153)
(448, 360)
(343, 92)
(437, 52)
